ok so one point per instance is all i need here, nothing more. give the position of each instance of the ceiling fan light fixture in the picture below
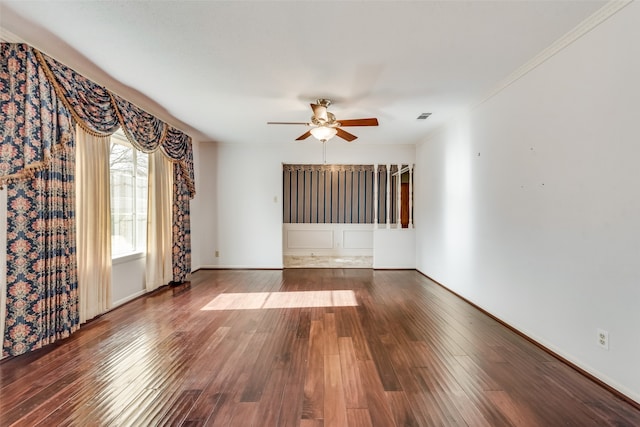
(323, 133)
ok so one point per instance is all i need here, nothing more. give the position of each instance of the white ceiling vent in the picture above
(423, 116)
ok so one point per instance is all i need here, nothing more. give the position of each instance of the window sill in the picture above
(121, 259)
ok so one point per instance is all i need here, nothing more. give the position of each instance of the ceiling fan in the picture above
(325, 126)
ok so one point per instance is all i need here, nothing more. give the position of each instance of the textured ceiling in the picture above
(221, 69)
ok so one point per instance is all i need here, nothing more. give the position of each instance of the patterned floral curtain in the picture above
(181, 227)
(37, 163)
(40, 99)
(42, 284)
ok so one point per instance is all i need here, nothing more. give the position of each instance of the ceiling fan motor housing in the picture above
(319, 121)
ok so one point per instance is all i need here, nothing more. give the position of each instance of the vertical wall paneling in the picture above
(318, 177)
(343, 194)
(335, 211)
(398, 190)
(362, 200)
(410, 196)
(339, 195)
(388, 199)
(375, 194)
(303, 203)
(346, 195)
(286, 196)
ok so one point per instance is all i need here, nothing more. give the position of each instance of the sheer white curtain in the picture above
(3, 264)
(159, 223)
(93, 219)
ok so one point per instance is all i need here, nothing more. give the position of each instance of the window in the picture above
(129, 176)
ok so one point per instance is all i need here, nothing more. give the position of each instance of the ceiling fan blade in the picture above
(305, 135)
(359, 122)
(320, 112)
(345, 135)
(288, 123)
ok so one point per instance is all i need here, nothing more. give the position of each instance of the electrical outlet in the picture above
(217, 254)
(603, 339)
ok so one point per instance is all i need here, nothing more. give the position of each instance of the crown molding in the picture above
(7, 36)
(601, 15)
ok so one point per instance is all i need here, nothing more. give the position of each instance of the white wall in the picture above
(243, 219)
(530, 205)
(127, 279)
(394, 248)
(204, 205)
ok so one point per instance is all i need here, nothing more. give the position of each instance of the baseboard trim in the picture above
(127, 299)
(216, 267)
(552, 353)
(237, 267)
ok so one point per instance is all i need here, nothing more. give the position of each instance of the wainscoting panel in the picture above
(357, 239)
(309, 239)
(328, 239)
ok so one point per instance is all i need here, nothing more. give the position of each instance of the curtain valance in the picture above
(94, 108)
(88, 102)
(33, 121)
(148, 133)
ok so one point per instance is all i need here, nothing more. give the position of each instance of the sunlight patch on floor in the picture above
(263, 300)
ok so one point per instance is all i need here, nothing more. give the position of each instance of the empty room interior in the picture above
(320, 213)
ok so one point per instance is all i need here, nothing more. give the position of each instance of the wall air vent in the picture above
(423, 116)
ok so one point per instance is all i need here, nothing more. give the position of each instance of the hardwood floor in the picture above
(410, 354)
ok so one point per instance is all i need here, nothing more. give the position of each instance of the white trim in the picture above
(121, 259)
(128, 298)
(601, 15)
(239, 267)
(8, 37)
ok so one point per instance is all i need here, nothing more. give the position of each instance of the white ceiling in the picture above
(220, 70)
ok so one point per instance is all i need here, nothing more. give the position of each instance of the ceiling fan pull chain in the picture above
(324, 152)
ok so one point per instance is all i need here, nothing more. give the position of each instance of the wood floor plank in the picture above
(271, 401)
(376, 347)
(293, 396)
(330, 335)
(376, 399)
(313, 405)
(440, 394)
(221, 414)
(358, 417)
(335, 409)
(518, 415)
(260, 371)
(348, 325)
(354, 392)
(246, 414)
(401, 409)
(411, 353)
(224, 374)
